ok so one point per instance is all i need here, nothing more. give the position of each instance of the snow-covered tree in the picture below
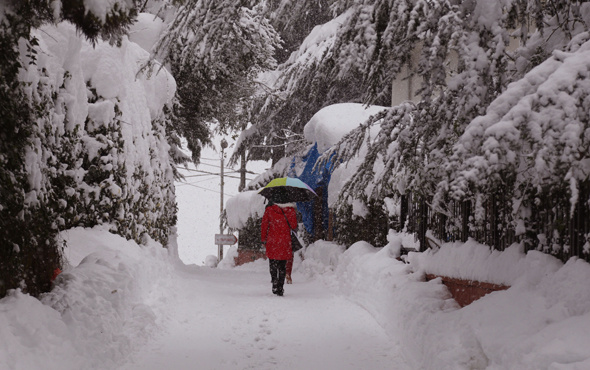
(289, 96)
(215, 49)
(468, 56)
(76, 149)
(532, 146)
(294, 20)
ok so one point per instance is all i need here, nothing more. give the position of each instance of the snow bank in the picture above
(322, 256)
(229, 258)
(35, 336)
(475, 261)
(101, 308)
(541, 322)
(110, 299)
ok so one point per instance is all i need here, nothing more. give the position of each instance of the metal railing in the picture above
(550, 227)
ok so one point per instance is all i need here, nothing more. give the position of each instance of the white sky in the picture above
(198, 200)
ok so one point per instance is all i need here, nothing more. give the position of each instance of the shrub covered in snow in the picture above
(100, 154)
(88, 143)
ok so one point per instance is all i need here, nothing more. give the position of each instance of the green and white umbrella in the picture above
(287, 190)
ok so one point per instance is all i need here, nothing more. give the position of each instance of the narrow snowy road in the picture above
(229, 319)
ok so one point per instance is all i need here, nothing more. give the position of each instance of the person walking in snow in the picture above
(277, 222)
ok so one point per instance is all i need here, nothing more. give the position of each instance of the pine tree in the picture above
(310, 79)
(418, 143)
(215, 50)
(294, 20)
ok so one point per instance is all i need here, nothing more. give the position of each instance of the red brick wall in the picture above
(467, 291)
(248, 255)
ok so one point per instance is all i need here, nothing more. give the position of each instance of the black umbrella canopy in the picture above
(287, 190)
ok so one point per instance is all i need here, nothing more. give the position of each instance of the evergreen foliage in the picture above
(372, 228)
(49, 176)
(250, 234)
(215, 50)
(28, 249)
(294, 20)
(431, 148)
(304, 86)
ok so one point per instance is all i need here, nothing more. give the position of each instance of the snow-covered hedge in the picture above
(99, 153)
(241, 207)
(93, 149)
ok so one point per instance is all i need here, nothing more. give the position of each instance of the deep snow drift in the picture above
(117, 296)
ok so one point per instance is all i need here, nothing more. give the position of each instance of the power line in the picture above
(210, 173)
(196, 182)
(200, 171)
(200, 187)
(211, 165)
(229, 168)
(201, 175)
(218, 166)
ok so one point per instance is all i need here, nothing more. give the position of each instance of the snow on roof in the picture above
(242, 206)
(331, 123)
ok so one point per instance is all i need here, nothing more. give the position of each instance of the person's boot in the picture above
(280, 289)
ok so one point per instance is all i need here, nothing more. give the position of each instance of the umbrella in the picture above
(287, 190)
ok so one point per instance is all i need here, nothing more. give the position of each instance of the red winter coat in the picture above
(275, 231)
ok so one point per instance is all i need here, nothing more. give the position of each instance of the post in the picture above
(220, 246)
(242, 185)
(242, 171)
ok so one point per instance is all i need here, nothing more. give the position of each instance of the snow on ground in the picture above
(104, 305)
(229, 319)
(119, 305)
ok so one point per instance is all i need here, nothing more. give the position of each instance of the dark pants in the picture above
(278, 270)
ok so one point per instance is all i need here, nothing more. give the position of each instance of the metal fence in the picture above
(551, 226)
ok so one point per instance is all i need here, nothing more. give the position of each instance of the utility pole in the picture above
(220, 246)
(242, 171)
(242, 185)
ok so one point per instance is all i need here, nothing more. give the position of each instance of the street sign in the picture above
(225, 239)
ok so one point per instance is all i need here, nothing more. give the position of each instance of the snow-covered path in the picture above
(229, 319)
